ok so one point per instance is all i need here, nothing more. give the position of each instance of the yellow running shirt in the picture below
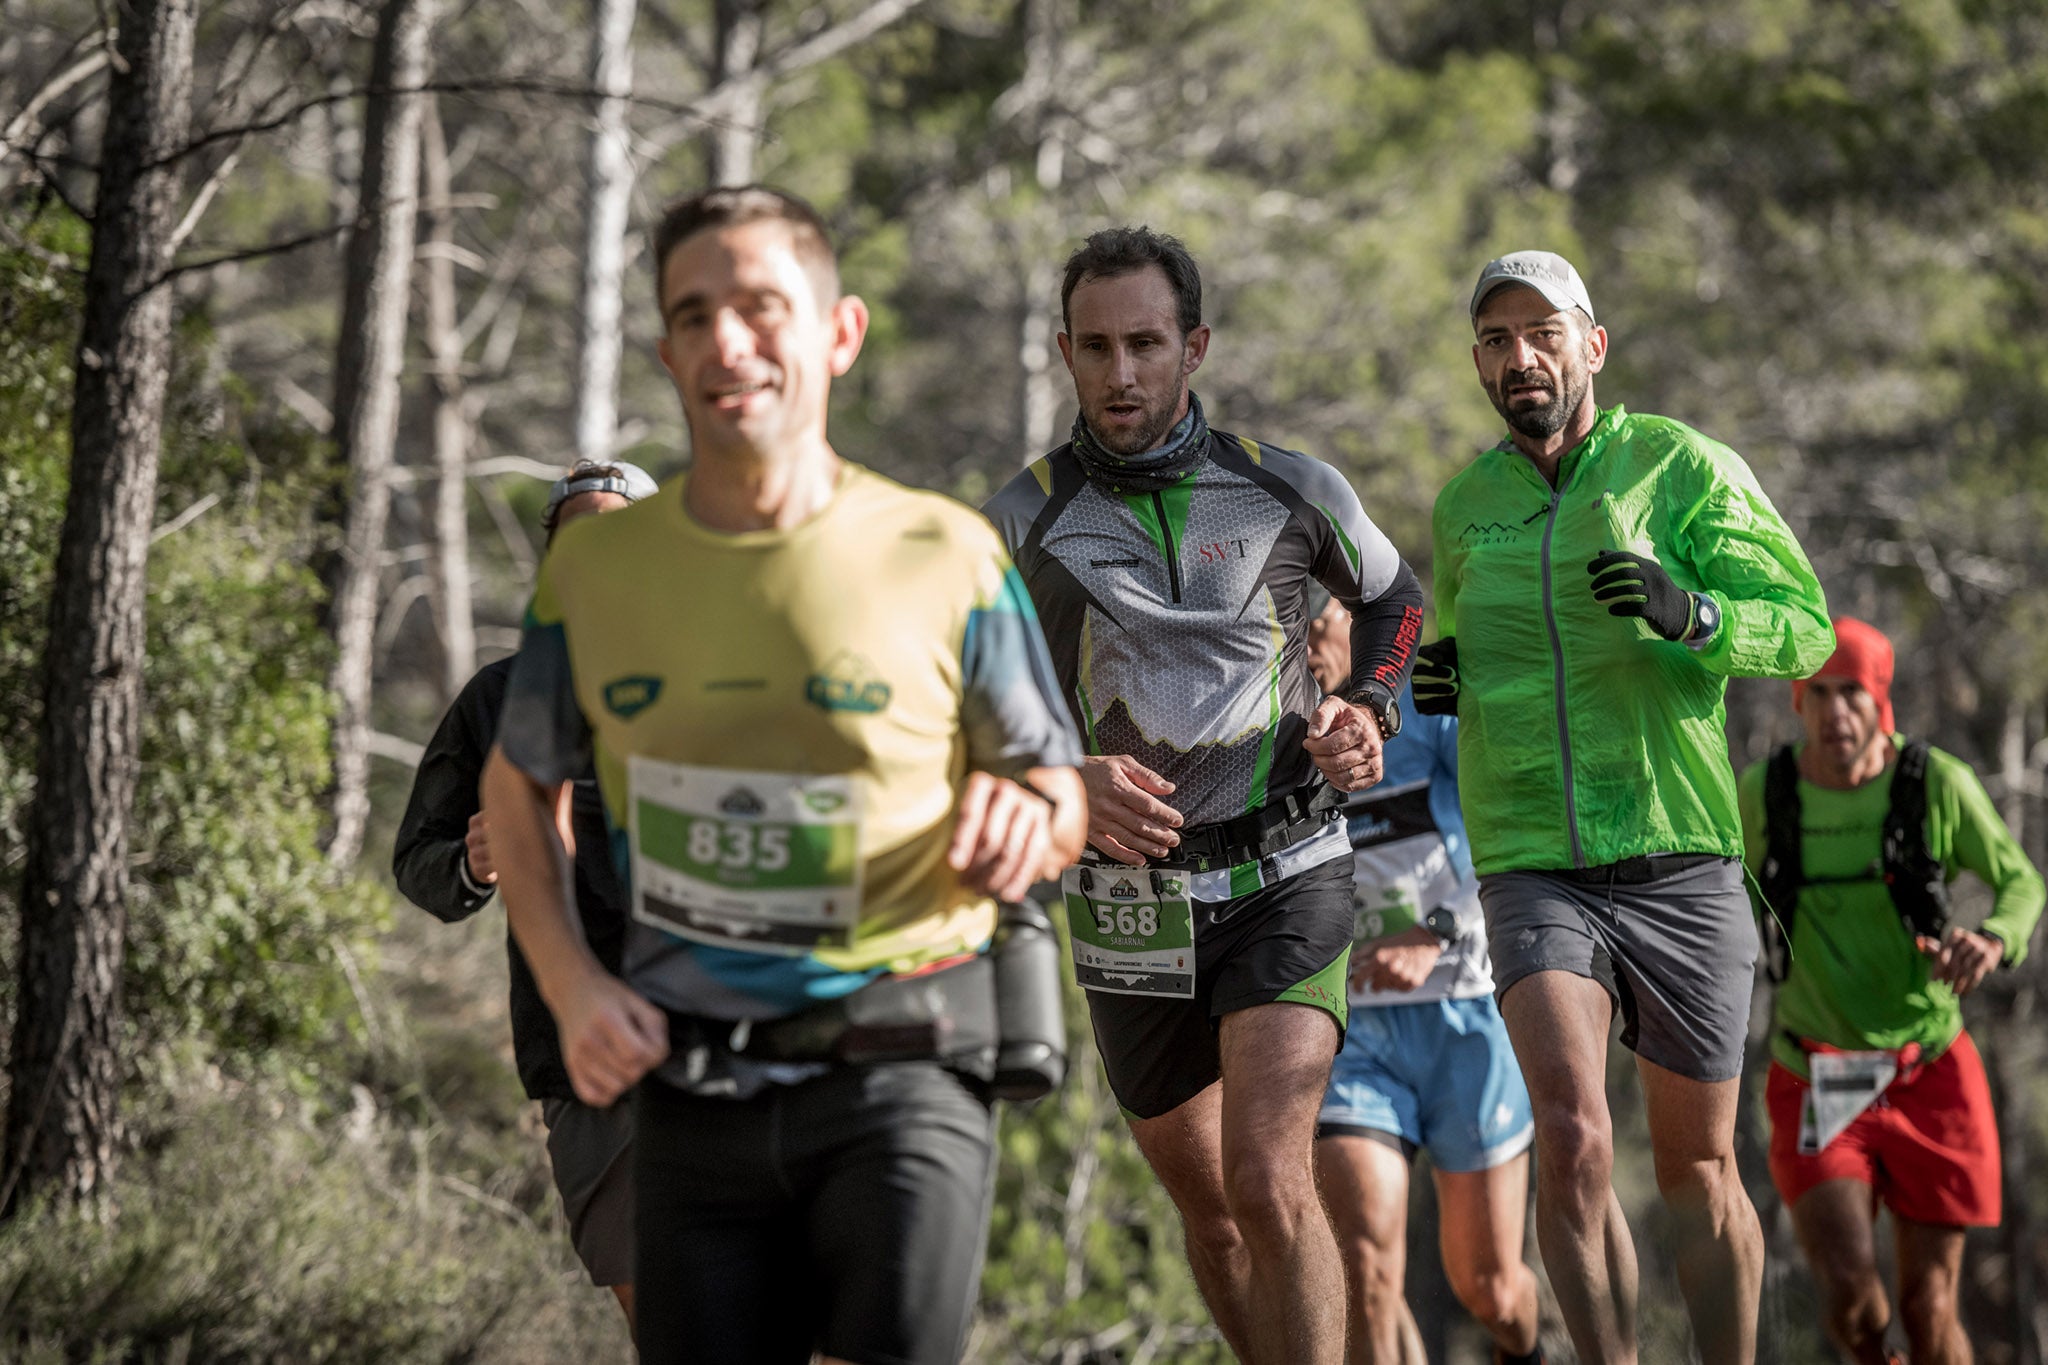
(782, 722)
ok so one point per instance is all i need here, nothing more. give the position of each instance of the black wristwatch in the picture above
(1706, 621)
(1375, 698)
(1442, 922)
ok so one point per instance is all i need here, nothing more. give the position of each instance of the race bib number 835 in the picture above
(769, 862)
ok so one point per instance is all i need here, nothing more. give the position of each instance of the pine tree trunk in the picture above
(367, 361)
(1039, 395)
(608, 191)
(454, 603)
(736, 135)
(62, 1128)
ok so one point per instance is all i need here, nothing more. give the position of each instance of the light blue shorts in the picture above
(1439, 1076)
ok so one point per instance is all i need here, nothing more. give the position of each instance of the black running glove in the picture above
(1435, 683)
(1629, 584)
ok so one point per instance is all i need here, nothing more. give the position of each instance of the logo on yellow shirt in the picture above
(628, 697)
(847, 683)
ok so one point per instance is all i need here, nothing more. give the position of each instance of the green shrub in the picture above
(251, 1235)
(239, 934)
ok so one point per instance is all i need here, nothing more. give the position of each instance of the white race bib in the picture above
(1844, 1084)
(765, 862)
(1132, 929)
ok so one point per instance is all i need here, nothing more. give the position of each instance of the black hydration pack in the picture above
(1917, 881)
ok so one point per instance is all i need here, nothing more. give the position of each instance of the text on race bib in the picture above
(767, 862)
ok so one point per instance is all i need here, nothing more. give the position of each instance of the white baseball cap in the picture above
(1546, 272)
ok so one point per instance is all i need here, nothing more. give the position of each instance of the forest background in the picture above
(376, 267)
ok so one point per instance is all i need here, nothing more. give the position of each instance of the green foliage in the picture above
(239, 934)
(1084, 1250)
(1817, 230)
(248, 1237)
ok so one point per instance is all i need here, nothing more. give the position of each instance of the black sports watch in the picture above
(1706, 621)
(1374, 697)
(1442, 922)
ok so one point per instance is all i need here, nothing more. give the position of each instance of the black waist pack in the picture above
(993, 1016)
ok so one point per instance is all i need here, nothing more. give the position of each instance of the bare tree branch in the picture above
(53, 185)
(714, 105)
(204, 199)
(184, 518)
(567, 91)
(255, 253)
(831, 41)
(18, 131)
(382, 745)
(311, 410)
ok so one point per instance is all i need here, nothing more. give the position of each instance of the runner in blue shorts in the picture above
(1426, 1062)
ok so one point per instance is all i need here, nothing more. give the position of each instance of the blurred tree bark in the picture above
(453, 601)
(607, 195)
(367, 359)
(62, 1126)
(734, 135)
(1039, 274)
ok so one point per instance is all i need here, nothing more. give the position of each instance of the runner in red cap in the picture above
(1876, 1094)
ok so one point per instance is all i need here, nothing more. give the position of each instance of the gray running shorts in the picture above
(1676, 950)
(590, 1150)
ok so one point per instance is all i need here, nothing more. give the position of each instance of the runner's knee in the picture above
(1927, 1305)
(1697, 1183)
(1856, 1311)
(1574, 1147)
(1379, 1268)
(1492, 1296)
(1270, 1196)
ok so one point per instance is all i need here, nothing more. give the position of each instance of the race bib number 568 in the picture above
(1132, 930)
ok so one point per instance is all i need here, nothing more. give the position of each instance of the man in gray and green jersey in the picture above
(1170, 564)
(1181, 621)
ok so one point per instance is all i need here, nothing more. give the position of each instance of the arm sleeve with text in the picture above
(1362, 569)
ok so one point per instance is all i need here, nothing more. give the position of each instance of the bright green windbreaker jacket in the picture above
(1583, 738)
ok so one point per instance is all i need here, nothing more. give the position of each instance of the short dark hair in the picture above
(1127, 250)
(737, 205)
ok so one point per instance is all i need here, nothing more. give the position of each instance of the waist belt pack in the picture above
(1259, 834)
(995, 1016)
(1640, 870)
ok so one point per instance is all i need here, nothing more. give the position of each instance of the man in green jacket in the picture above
(1599, 576)
(1876, 1094)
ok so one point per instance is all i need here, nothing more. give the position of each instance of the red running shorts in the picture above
(1928, 1146)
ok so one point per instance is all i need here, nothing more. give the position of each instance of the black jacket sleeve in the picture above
(1384, 633)
(429, 857)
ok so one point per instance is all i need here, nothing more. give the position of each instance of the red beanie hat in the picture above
(1862, 654)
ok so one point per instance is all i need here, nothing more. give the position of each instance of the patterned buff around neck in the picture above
(1148, 471)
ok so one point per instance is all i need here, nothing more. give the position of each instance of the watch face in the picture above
(1707, 623)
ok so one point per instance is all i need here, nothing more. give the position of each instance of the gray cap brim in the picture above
(1555, 297)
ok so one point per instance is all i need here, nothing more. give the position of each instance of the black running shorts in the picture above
(844, 1215)
(591, 1152)
(1286, 942)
